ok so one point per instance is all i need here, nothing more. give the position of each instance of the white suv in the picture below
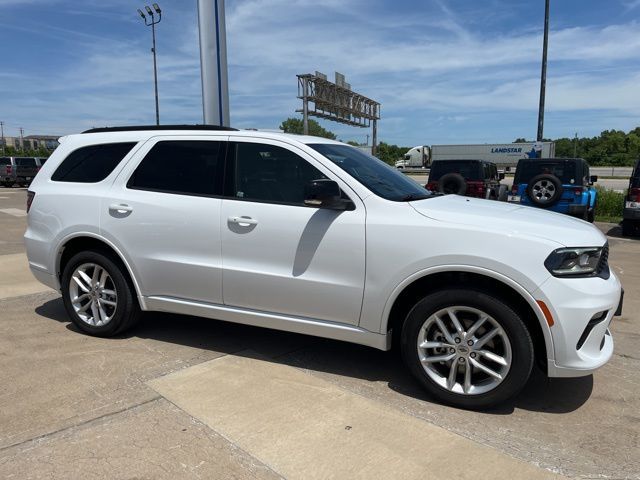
(313, 236)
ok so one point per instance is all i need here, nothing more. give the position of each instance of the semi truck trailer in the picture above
(502, 154)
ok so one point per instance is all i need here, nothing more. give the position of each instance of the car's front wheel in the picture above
(467, 348)
(97, 294)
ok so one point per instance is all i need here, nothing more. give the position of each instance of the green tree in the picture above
(390, 153)
(295, 125)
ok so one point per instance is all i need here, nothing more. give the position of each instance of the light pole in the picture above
(543, 75)
(152, 22)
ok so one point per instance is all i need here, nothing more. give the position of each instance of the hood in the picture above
(511, 219)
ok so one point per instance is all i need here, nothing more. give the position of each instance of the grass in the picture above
(610, 205)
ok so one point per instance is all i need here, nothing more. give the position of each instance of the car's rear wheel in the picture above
(452, 183)
(467, 348)
(98, 295)
(544, 190)
(630, 228)
(7, 184)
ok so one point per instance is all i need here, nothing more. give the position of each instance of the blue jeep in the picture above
(558, 184)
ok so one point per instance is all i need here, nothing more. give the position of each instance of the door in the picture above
(279, 255)
(164, 214)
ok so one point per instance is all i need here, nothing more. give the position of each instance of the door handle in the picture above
(120, 208)
(243, 221)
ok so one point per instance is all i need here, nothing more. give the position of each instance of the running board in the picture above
(256, 318)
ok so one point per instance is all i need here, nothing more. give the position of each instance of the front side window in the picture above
(91, 164)
(189, 167)
(269, 174)
(382, 179)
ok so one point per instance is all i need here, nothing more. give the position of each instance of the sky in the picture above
(445, 71)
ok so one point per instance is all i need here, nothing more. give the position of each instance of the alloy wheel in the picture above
(93, 294)
(464, 350)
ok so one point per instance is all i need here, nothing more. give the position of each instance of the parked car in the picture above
(313, 236)
(561, 185)
(20, 170)
(631, 211)
(472, 178)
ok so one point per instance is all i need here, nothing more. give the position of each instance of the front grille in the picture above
(602, 270)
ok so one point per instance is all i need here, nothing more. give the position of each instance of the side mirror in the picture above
(501, 176)
(324, 193)
(593, 179)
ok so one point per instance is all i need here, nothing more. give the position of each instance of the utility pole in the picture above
(575, 146)
(152, 23)
(213, 62)
(2, 131)
(543, 76)
(22, 139)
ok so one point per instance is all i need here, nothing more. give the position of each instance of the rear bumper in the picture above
(44, 277)
(577, 209)
(631, 213)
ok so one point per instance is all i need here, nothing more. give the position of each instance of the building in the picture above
(33, 142)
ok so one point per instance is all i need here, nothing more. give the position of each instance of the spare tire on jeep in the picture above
(544, 190)
(452, 183)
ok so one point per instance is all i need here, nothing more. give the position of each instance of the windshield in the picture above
(26, 162)
(565, 170)
(469, 169)
(377, 176)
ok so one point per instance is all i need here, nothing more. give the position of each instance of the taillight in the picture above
(634, 194)
(433, 186)
(514, 189)
(9, 169)
(577, 191)
(30, 197)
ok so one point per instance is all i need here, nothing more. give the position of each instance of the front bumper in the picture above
(582, 309)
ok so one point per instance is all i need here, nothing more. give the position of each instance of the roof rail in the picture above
(134, 128)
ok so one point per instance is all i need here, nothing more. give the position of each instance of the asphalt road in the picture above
(74, 406)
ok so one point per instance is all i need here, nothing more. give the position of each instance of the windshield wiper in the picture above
(415, 196)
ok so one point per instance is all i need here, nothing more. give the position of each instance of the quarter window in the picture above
(190, 167)
(270, 174)
(91, 164)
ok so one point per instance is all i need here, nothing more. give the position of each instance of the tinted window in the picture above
(270, 174)
(26, 162)
(190, 167)
(635, 177)
(91, 164)
(43, 161)
(377, 176)
(5, 161)
(566, 170)
(470, 170)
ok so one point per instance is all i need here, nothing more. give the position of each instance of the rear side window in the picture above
(5, 161)
(91, 164)
(191, 167)
(26, 162)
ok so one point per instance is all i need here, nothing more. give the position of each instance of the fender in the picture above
(66, 239)
(548, 340)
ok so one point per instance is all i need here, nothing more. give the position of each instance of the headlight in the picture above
(574, 262)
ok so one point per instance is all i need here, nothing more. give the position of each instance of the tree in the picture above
(295, 125)
(390, 153)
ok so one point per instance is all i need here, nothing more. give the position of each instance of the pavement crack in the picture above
(81, 424)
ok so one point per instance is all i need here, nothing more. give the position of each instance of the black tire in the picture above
(127, 310)
(452, 183)
(629, 228)
(7, 184)
(551, 181)
(522, 352)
